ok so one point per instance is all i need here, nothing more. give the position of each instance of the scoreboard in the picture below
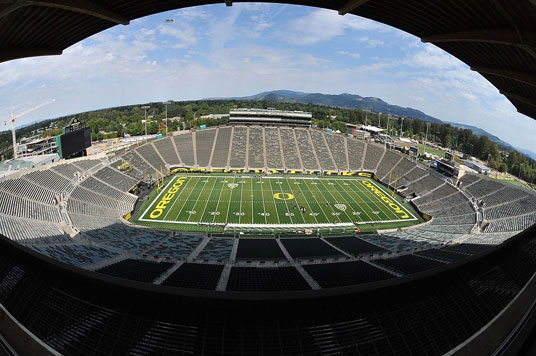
(74, 140)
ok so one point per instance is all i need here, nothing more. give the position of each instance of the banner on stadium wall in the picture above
(217, 170)
(257, 171)
(295, 171)
(331, 173)
(128, 216)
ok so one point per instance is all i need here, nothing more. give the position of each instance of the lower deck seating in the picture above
(467, 248)
(355, 246)
(442, 255)
(259, 249)
(256, 279)
(409, 264)
(309, 248)
(217, 249)
(137, 270)
(77, 255)
(346, 273)
(199, 276)
(179, 247)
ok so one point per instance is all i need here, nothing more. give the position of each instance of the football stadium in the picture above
(264, 238)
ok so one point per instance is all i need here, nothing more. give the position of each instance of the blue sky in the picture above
(219, 51)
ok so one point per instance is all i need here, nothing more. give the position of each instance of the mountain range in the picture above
(353, 101)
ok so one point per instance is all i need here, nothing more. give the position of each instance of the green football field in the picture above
(227, 203)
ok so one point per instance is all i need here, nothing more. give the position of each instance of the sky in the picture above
(218, 51)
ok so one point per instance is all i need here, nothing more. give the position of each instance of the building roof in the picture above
(495, 38)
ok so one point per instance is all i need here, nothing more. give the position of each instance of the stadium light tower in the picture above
(166, 104)
(146, 107)
(426, 137)
(402, 126)
(379, 122)
(388, 118)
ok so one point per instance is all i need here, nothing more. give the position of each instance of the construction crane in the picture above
(17, 116)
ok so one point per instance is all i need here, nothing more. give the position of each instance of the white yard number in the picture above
(264, 214)
(313, 214)
(214, 213)
(239, 213)
(356, 213)
(289, 214)
(191, 212)
(335, 214)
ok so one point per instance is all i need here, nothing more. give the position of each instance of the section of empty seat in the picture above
(137, 244)
(442, 255)
(467, 249)
(436, 194)
(106, 190)
(115, 178)
(86, 164)
(356, 149)
(91, 222)
(424, 186)
(198, 276)
(355, 246)
(239, 148)
(256, 147)
(389, 161)
(259, 249)
(373, 156)
(68, 170)
(221, 149)
(515, 208)
(322, 151)
(13, 205)
(138, 270)
(204, 141)
(185, 147)
(309, 248)
(453, 229)
(457, 219)
(49, 179)
(113, 232)
(331, 275)
(148, 152)
(86, 208)
(217, 249)
(135, 160)
(179, 247)
(502, 196)
(21, 229)
(273, 148)
(408, 264)
(77, 255)
(414, 174)
(516, 223)
(482, 187)
(257, 279)
(167, 151)
(290, 150)
(337, 146)
(306, 150)
(401, 169)
(26, 189)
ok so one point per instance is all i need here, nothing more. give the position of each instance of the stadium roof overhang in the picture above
(496, 38)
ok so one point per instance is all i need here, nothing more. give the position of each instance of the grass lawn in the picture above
(261, 204)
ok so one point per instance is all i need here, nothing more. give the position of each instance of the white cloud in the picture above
(323, 25)
(351, 54)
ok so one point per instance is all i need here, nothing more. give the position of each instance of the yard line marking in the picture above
(218, 203)
(362, 209)
(274, 203)
(335, 202)
(207, 202)
(306, 201)
(368, 194)
(328, 216)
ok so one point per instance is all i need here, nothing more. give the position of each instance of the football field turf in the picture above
(271, 202)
